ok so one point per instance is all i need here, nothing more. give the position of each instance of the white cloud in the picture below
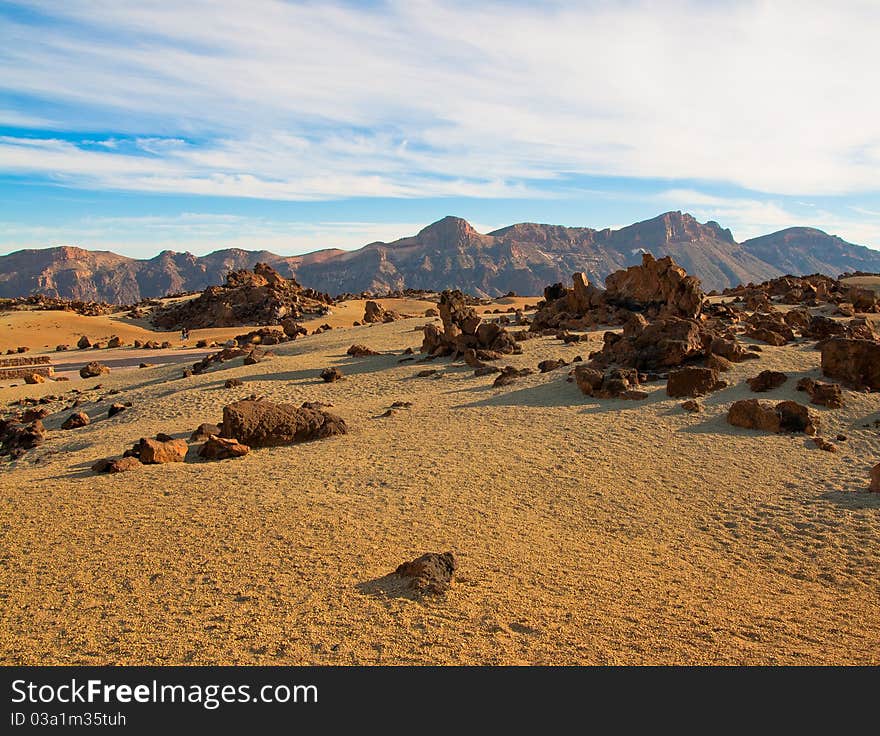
(748, 218)
(200, 233)
(429, 98)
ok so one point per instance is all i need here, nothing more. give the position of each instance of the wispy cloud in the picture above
(281, 100)
(202, 233)
(750, 217)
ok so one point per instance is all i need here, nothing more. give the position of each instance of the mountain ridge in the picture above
(449, 253)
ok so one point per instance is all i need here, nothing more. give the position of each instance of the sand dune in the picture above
(588, 531)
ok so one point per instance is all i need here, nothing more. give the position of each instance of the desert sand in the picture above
(587, 531)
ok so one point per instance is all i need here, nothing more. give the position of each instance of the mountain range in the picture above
(449, 253)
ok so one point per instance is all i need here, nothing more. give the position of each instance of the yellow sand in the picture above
(586, 531)
(43, 330)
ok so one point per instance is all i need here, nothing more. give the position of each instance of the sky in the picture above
(139, 126)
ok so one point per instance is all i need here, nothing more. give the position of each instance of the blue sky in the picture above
(140, 126)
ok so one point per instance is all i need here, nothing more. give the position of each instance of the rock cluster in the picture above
(17, 437)
(824, 394)
(258, 297)
(375, 313)
(463, 330)
(656, 288)
(810, 290)
(613, 383)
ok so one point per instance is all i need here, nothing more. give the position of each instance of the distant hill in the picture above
(449, 253)
(802, 250)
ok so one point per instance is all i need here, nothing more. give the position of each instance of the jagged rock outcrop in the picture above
(258, 297)
(464, 330)
(656, 288)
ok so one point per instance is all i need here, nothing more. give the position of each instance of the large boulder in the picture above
(260, 423)
(875, 479)
(158, 451)
(665, 343)
(786, 416)
(854, 362)
(375, 312)
(693, 381)
(659, 285)
(84, 343)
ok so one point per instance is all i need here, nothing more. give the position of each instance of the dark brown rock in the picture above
(824, 394)
(203, 431)
(90, 370)
(613, 383)
(360, 351)
(545, 366)
(786, 416)
(222, 448)
(693, 381)
(265, 424)
(117, 407)
(76, 420)
(331, 375)
(431, 573)
(766, 381)
(854, 362)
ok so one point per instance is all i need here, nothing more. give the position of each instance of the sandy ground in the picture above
(41, 331)
(587, 531)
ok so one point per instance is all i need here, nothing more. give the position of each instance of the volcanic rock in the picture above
(693, 381)
(786, 416)
(76, 420)
(265, 424)
(203, 431)
(222, 448)
(431, 573)
(331, 375)
(614, 383)
(766, 381)
(824, 394)
(360, 351)
(163, 449)
(854, 362)
(90, 370)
